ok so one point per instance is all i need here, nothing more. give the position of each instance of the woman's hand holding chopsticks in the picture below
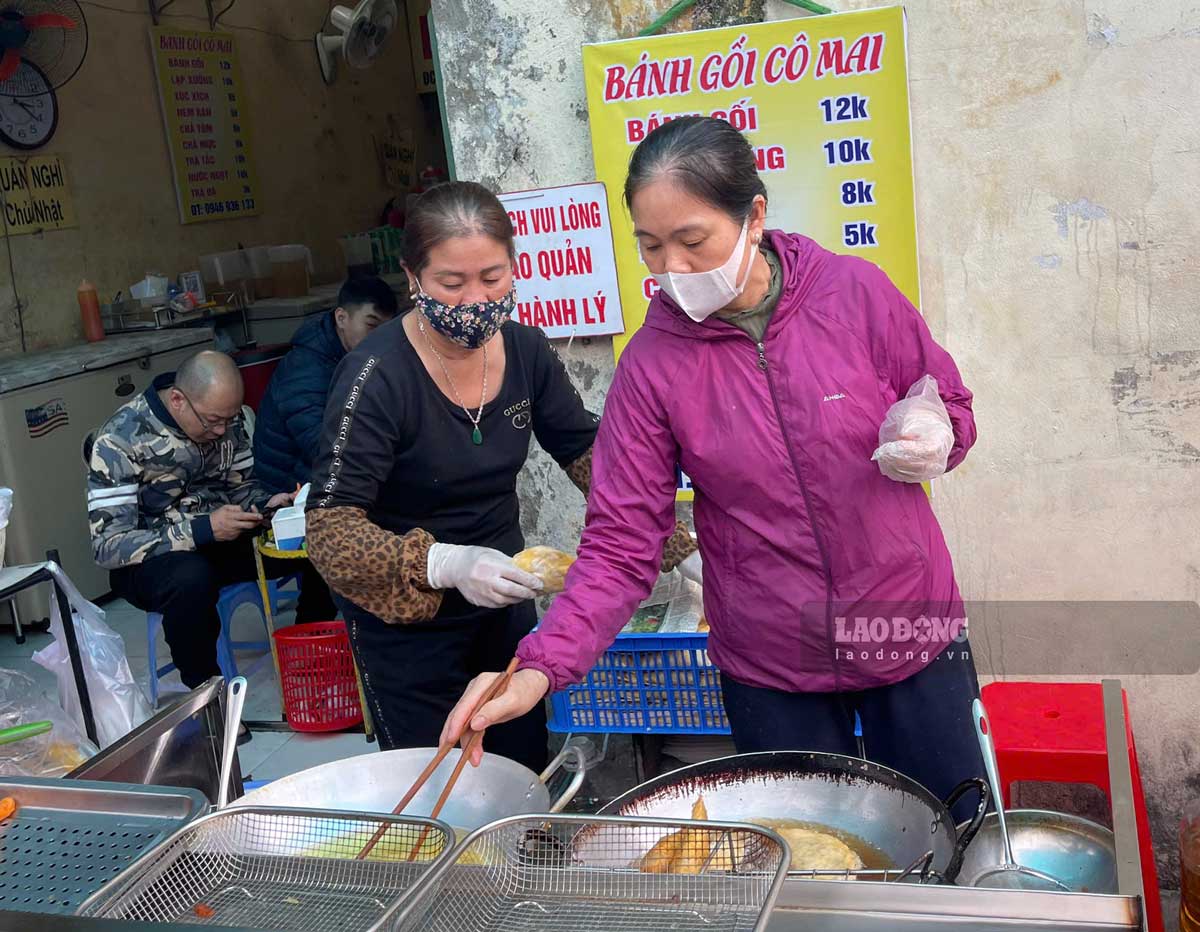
(525, 690)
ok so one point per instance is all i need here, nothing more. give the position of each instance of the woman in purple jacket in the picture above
(765, 368)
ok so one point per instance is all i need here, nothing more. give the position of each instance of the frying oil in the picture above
(872, 858)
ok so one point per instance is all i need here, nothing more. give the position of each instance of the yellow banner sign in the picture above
(208, 126)
(37, 196)
(824, 101)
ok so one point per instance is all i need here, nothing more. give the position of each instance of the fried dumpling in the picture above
(547, 564)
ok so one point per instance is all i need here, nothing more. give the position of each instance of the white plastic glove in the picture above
(693, 568)
(484, 576)
(916, 436)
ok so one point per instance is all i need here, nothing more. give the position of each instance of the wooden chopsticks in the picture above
(498, 686)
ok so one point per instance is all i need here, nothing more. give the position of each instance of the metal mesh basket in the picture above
(274, 868)
(531, 873)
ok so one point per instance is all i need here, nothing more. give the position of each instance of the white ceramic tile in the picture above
(120, 613)
(262, 704)
(261, 747)
(254, 664)
(11, 653)
(248, 624)
(136, 646)
(309, 750)
(119, 608)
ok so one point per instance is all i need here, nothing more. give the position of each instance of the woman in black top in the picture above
(413, 518)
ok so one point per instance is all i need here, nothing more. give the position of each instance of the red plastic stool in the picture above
(1054, 732)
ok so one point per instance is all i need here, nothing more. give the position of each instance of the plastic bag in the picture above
(547, 564)
(52, 754)
(916, 436)
(118, 703)
(6, 500)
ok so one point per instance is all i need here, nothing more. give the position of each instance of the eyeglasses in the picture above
(209, 422)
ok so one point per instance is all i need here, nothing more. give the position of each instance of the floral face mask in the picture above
(470, 325)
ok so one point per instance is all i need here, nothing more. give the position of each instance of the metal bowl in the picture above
(1076, 851)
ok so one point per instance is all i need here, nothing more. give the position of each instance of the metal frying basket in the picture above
(530, 873)
(68, 838)
(275, 868)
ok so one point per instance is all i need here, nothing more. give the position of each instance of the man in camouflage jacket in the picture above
(171, 494)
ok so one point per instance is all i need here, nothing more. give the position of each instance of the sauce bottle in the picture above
(89, 312)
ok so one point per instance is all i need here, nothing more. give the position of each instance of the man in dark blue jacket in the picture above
(287, 430)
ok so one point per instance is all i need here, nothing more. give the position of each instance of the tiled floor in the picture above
(269, 755)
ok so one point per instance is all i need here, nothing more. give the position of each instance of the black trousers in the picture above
(183, 586)
(920, 726)
(414, 674)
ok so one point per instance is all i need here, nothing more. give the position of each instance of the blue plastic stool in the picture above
(229, 601)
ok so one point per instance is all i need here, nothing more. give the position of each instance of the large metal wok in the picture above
(498, 787)
(858, 800)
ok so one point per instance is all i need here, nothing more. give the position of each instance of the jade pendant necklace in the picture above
(476, 434)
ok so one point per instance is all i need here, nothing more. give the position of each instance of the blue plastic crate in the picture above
(646, 684)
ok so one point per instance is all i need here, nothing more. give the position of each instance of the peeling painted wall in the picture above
(317, 170)
(1058, 187)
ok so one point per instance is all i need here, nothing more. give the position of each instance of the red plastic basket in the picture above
(316, 671)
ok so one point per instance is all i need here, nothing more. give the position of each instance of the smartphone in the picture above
(264, 515)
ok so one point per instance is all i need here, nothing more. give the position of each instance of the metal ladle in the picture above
(235, 698)
(1009, 875)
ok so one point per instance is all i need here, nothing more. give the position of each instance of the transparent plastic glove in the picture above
(485, 577)
(916, 436)
(693, 568)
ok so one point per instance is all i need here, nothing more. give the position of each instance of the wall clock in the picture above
(28, 108)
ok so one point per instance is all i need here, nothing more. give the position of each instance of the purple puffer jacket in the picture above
(799, 532)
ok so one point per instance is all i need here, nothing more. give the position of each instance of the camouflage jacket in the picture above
(151, 489)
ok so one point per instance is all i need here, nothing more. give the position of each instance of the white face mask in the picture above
(702, 294)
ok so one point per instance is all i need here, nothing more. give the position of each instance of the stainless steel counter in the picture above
(27, 369)
(851, 906)
(180, 746)
(831, 906)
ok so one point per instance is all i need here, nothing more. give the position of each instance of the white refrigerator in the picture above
(49, 402)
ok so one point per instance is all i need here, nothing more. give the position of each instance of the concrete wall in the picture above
(1058, 185)
(318, 174)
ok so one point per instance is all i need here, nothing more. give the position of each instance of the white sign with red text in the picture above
(565, 270)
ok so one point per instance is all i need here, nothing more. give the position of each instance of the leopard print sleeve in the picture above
(679, 545)
(385, 573)
(580, 472)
